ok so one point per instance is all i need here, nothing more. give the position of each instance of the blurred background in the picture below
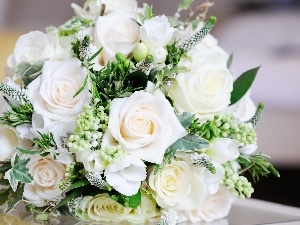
(262, 33)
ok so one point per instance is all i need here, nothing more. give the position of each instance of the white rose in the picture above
(177, 186)
(94, 7)
(144, 125)
(9, 140)
(47, 173)
(156, 32)
(116, 32)
(204, 90)
(211, 180)
(125, 174)
(215, 207)
(36, 46)
(223, 150)
(51, 94)
(103, 208)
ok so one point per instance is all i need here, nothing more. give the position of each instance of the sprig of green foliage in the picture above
(17, 115)
(257, 166)
(45, 142)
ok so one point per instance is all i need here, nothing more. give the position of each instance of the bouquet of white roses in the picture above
(122, 115)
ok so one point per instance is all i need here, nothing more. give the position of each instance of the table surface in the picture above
(243, 212)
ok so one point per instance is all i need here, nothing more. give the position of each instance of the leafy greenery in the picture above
(15, 198)
(127, 201)
(257, 166)
(17, 115)
(186, 119)
(5, 167)
(45, 142)
(242, 84)
(28, 72)
(229, 61)
(19, 172)
(174, 54)
(72, 194)
(209, 129)
(74, 25)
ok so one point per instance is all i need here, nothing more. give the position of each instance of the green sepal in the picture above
(127, 201)
(242, 84)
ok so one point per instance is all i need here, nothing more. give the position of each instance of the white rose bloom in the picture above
(103, 208)
(116, 32)
(9, 140)
(125, 174)
(214, 207)
(47, 173)
(156, 32)
(36, 46)
(244, 109)
(223, 150)
(178, 186)
(51, 94)
(204, 90)
(144, 125)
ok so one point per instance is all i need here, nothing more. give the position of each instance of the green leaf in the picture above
(82, 87)
(16, 197)
(229, 61)
(128, 201)
(5, 167)
(71, 195)
(242, 84)
(4, 193)
(28, 71)
(77, 184)
(137, 80)
(95, 55)
(185, 119)
(28, 152)
(190, 143)
(19, 172)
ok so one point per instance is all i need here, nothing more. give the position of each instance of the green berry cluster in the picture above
(111, 153)
(90, 126)
(225, 126)
(238, 185)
